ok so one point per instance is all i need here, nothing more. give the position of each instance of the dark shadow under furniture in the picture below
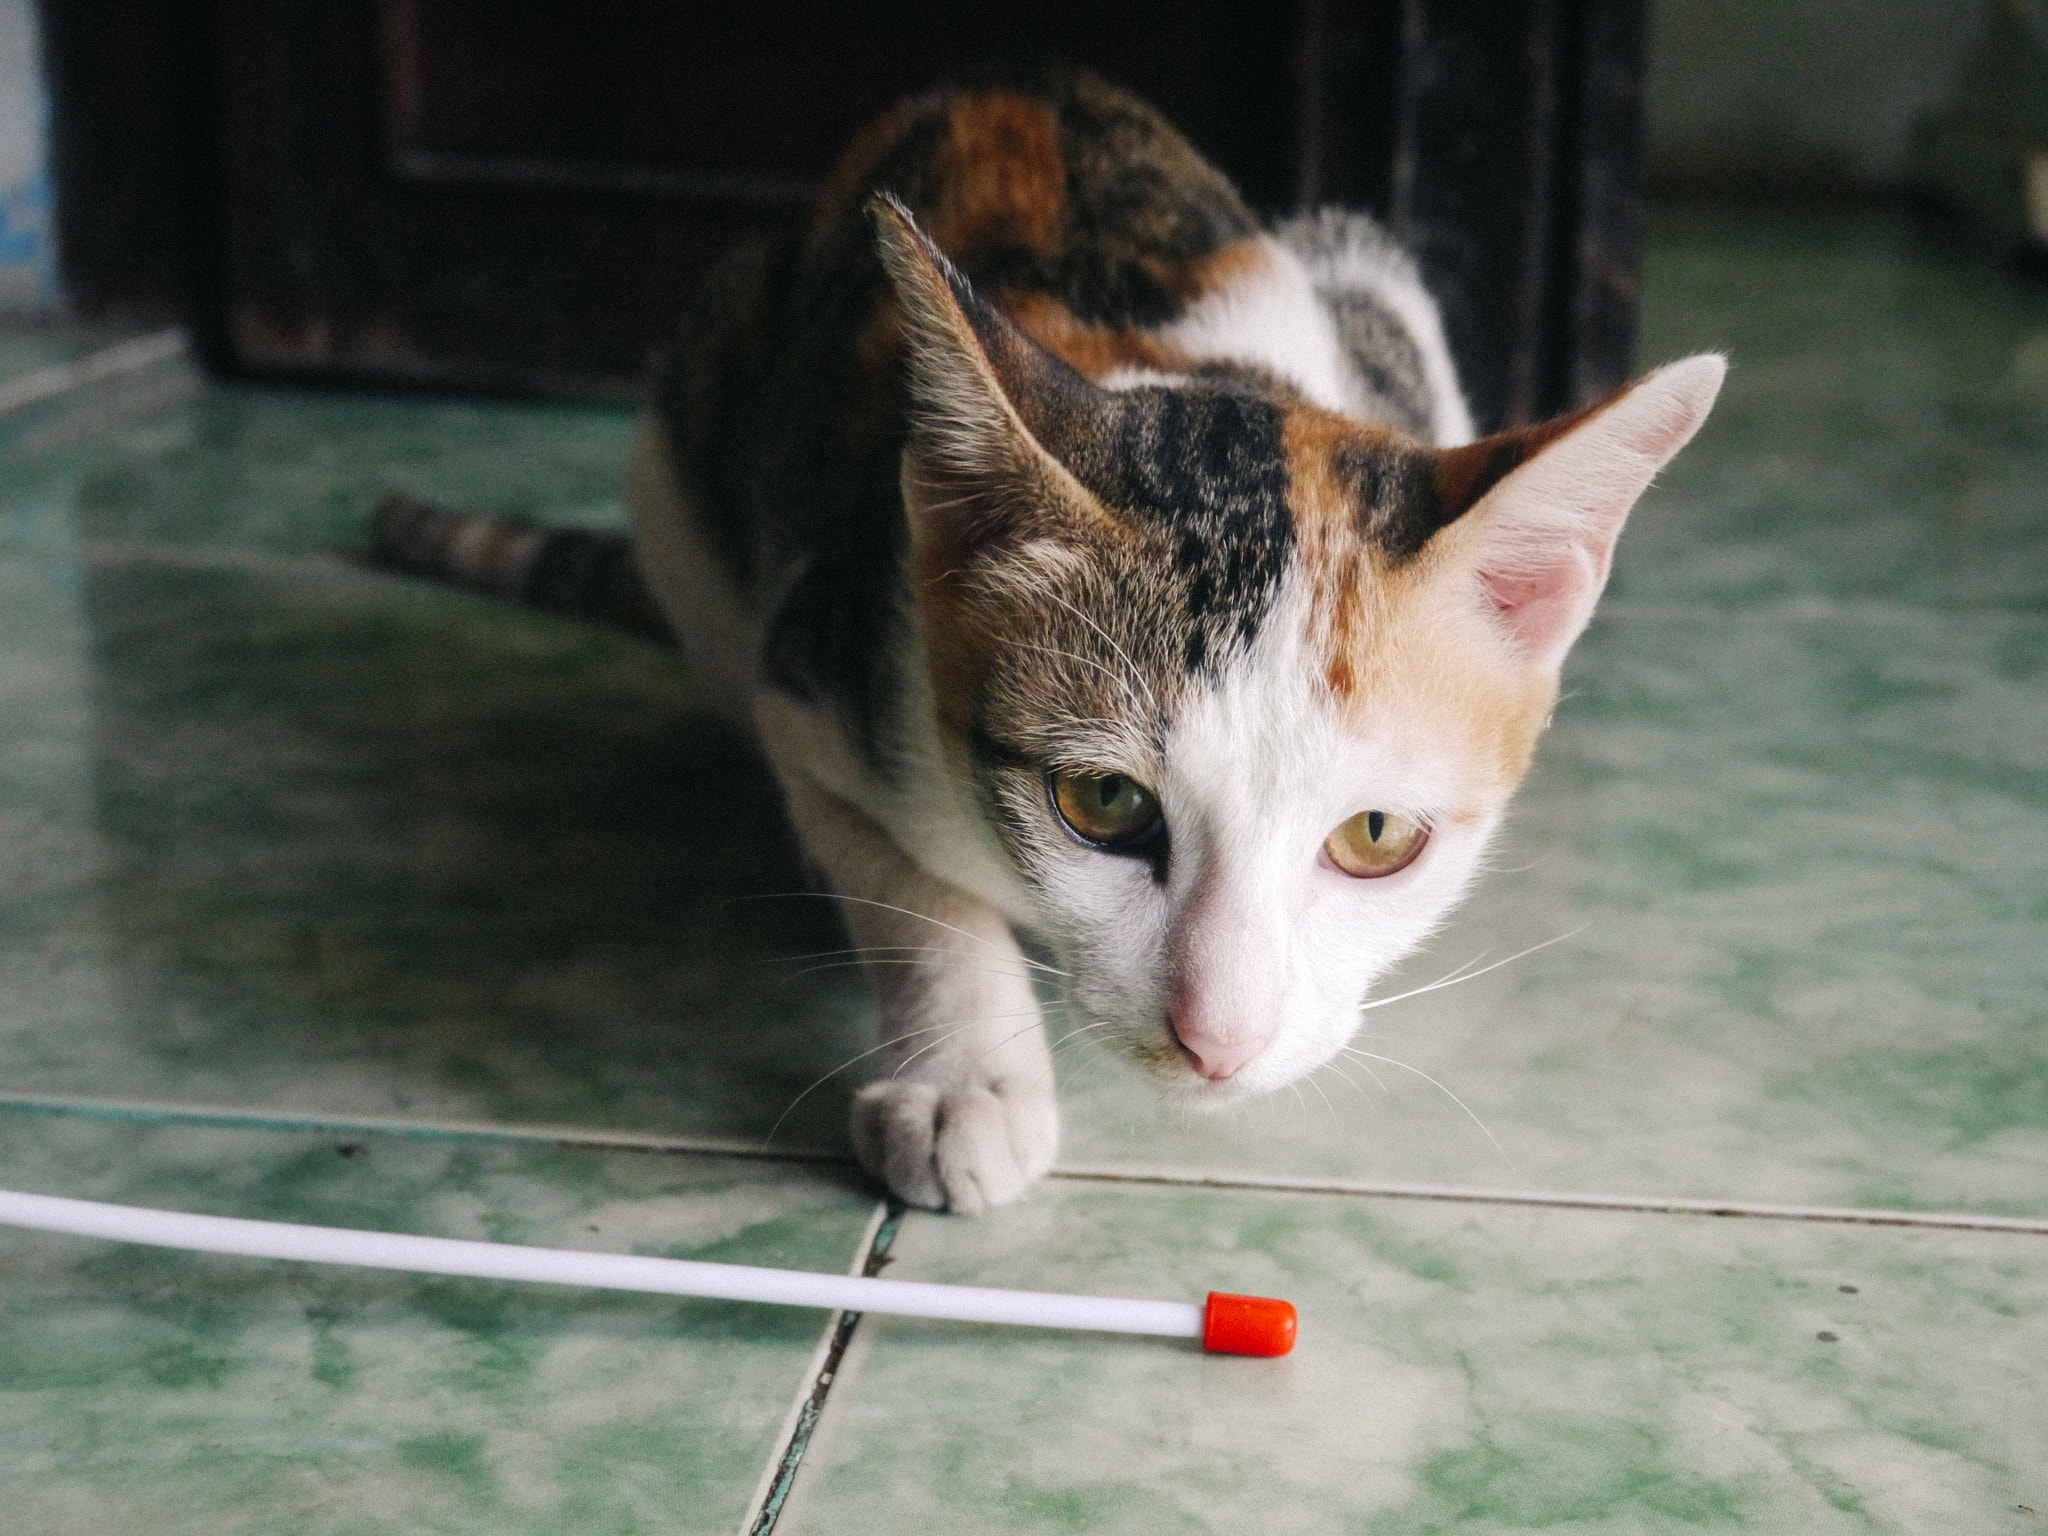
(499, 195)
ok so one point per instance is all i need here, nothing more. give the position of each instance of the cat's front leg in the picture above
(962, 1115)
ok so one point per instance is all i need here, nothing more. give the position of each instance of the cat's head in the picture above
(1241, 687)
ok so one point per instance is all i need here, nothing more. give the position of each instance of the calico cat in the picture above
(1092, 560)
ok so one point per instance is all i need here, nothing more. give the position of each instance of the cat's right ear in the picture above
(1535, 512)
(985, 400)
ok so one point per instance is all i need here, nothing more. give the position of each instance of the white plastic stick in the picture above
(616, 1271)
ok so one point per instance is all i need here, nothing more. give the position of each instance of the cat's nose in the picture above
(1214, 1057)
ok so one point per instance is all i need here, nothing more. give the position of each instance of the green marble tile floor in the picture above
(1466, 1368)
(299, 858)
(33, 345)
(147, 1390)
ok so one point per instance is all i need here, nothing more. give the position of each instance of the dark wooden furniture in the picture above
(497, 194)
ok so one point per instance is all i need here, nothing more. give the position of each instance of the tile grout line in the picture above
(1674, 1205)
(1811, 610)
(155, 1112)
(771, 1495)
(225, 1117)
(109, 362)
(821, 1362)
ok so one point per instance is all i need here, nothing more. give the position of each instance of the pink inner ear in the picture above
(1545, 608)
(1546, 533)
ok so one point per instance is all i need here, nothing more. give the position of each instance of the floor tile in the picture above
(295, 472)
(307, 835)
(356, 846)
(1460, 1368)
(29, 345)
(147, 1390)
(1884, 425)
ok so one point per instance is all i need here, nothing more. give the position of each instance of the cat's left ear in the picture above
(1534, 513)
(990, 408)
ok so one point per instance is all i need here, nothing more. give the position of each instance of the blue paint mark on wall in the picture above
(28, 249)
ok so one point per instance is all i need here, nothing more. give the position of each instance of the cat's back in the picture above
(1071, 205)
(1079, 211)
(1052, 187)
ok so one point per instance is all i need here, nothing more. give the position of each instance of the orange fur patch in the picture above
(1220, 269)
(1346, 576)
(1094, 351)
(1370, 619)
(1001, 176)
(1090, 350)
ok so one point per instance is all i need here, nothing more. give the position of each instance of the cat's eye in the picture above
(1375, 843)
(1111, 810)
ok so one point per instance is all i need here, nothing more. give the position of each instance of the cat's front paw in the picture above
(956, 1147)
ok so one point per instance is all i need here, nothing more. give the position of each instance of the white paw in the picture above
(955, 1147)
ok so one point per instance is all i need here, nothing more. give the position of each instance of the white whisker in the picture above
(1074, 1034)
(866, 949)
(920, 916)
(986, 1018)
(1035, 1023)
(1503, 1151)
(1378, 1081)
(1088, 661)
(1081, 1036)
(1463, 974)
(851, 1060)
(1311, 1081)
(1111, 642)
(1332, 1065)
(950, 969)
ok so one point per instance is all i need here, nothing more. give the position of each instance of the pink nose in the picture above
(1215, 1059)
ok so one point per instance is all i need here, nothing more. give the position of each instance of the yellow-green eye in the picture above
(1111, 809)
(1375, 843)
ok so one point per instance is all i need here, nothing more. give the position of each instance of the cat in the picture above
(1091, 560)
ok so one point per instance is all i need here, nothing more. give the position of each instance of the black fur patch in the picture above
(1203, 467)
(1396, 496)
(1140, 202)
(1395, 490)
(1388, 362)
(1206, 467)
(706, 391)
(1508, 453)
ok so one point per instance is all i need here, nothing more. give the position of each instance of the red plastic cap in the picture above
(1247, 1325)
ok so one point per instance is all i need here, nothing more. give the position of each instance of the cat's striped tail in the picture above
(565, 570)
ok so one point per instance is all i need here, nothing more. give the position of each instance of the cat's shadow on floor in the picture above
(370, 845)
